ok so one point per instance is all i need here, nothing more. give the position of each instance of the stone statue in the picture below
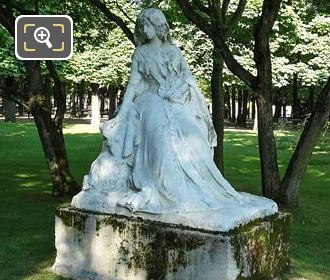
(157, 156)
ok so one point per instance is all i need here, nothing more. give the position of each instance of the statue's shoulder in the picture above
(143, 49)
(137, 52)
(174, 49)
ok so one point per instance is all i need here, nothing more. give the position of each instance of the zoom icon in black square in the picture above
(40, 37)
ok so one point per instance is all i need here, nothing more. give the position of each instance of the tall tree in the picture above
(216, 21)
(301, 156)
(261, 84)
(50, 130)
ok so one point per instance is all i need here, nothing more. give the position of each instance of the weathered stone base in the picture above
(114, 247)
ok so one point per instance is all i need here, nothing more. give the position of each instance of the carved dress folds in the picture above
(158, 158)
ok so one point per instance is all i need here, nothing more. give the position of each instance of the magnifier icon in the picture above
(41, 35)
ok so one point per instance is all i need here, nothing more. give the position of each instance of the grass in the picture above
(27, 209)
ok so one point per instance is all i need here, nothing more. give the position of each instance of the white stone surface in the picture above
(222, 219)
(157, 158)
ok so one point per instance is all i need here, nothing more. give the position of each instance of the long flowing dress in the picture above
(157, 156)
(168, 139)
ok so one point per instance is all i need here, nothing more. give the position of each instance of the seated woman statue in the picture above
(157, 155)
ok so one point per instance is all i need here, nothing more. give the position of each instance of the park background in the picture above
(41, 102)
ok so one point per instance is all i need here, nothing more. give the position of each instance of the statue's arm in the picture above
(179, 90)
(198, 100)
(186, 73)
(132, 86)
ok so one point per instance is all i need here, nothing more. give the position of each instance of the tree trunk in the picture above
(9, 110)
(233, 105)
(112, 93)
(253, 108)
(89, 98)
(245, 107)
(21, 93)
(295, 99)
(267, 149)
(102, 95)
(55, 153)
(51, 135)
(255, 119)
(311, 99)
(96, 116)
(47, 90)
(302, 154)
(50, 131)
(81, 94)
(262, 84)
(9, 107)
(20, 110)
(227, 100)
(263, 93)
(284, 102)
(218, 106)
(239, 107)
(73, 102)
(278, 105)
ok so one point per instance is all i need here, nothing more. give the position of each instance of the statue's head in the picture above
(157, 19)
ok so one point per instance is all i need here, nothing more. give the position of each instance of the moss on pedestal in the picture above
(259, 249)
(162, 251)
(264, 246)
(113, 221)
(72, 219)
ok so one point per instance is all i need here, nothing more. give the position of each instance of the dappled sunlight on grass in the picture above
(23, 175)
(81, 128)
(27, 209)
(250, 158)
(317, 172)
(320, 153)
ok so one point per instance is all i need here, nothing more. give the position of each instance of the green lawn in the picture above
(27, 209)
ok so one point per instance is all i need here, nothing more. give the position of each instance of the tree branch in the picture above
(218, 38)
(124, 13)
(224, 8)
(5, 92)
(235, 18)
(58, 94)
(194, 17)
(116, 19)
(219, 20)
(268, 17)
(303, 152)
(233, 65)
(263, 29)
(201, 7)
(6, 18)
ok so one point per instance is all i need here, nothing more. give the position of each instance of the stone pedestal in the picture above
(117, 247)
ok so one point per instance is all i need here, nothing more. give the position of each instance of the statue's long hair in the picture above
(157, 19)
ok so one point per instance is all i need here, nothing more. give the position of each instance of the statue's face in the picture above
(149, 30)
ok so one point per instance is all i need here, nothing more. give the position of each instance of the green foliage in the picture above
(104, 65)
(9, 64)
(102, 53)
(300, 42)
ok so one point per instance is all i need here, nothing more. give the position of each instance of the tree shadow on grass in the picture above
(26, 207)
(27, 225)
